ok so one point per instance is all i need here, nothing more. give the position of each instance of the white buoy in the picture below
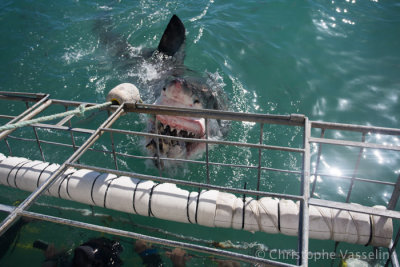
(124, 93)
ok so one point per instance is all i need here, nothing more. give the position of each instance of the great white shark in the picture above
(177, 86)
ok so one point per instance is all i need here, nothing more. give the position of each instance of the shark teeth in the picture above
(167, 130)
(165, 145)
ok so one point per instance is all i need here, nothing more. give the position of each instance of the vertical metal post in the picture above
(38, 142)
(36, 136)
(305, 192)
(72, 134)
(113, 151)
(113, 148)
(395, 195)
(259, 158)
(392, 249)
(207, 159)
(355, 170)
(158, 147)
(8, 146)
(317, 165)
(13, 216)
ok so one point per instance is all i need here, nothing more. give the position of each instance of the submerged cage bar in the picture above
(289, 120)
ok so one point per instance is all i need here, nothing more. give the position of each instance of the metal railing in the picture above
(305, 195)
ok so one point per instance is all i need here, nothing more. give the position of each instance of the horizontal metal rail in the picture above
(9, 117)
(353, 144)
(59, 144)
(355, 178)
(354, 128)
(23, 95)
(293, 120)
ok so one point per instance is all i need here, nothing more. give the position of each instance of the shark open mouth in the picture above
(193, 126)
(177, 126)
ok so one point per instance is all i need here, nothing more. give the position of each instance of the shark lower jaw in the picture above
(177, 127)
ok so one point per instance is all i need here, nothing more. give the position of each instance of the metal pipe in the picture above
(8, 146)
(71, 132)
(113, 149)
(355, 128)
(355, 170)
(38, 143)
(63, 128)
(37, 137)
(357, 179)
(294, 119)
(207, 159)
(393, 257)
(22, 94)
(317, 164)
(353, 144)
(157, 147)
(393, 247)
(8, 117)
(259, 157)
(305, 192)
(395, 195)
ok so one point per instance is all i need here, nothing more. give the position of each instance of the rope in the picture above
(80, 111)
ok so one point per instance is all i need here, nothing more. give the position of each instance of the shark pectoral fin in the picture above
(173, 37)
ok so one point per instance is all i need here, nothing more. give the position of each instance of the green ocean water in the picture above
(335, 61)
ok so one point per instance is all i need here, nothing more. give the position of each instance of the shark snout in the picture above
(177, 82)
(175, 87)
(175, 91)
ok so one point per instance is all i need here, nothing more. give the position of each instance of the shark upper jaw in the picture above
(174, 148)
(194, 127)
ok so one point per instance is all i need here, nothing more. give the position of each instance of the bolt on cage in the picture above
(36, 103)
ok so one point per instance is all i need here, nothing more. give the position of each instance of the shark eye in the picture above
(164, 89)
(196, 101)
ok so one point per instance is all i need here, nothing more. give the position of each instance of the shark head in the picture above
(184, 93)
(171, 84)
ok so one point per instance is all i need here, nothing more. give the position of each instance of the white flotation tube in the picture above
(209, 208)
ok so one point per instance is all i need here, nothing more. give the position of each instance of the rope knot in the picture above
(81, 110)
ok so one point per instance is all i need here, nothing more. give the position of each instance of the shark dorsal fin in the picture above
(173, 37)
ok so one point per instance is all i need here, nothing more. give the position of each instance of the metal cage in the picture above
(36, 103)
